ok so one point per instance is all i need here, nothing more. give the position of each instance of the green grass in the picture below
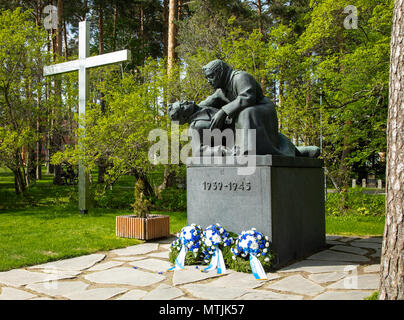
(355, 225)
(373, 296)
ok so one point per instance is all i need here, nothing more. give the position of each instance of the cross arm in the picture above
(107, 58)
(61, 68)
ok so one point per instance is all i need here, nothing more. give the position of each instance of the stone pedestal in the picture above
(282, 197)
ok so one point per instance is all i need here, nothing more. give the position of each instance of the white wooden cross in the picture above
(82, 65)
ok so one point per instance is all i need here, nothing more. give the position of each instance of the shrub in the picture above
(357, 202)
(171, 199)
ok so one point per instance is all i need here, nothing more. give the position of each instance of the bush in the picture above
(172, 199)
(357, 202)
(113, 199)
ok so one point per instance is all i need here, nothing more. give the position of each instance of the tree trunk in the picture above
(115, 17)
(102, 166)
(392, 260)
(100, 30)
(165, 27)
(172, 34)
(57, 139)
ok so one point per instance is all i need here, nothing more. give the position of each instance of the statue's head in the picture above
(216, 73)
(181, 111)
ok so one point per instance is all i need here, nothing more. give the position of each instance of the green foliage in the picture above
(373, 296)
(21, 60)
(190, 257)
(171, 199)
(141, 207)
(357, 202)
(117, 198)
(243, 264)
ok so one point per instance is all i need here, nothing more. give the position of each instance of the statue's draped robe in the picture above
(241, 98)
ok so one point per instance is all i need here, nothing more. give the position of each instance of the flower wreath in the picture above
(214, 238)
(188, 240)
(254, 245)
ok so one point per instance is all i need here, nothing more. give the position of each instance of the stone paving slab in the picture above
(330, 255)
(15, 294)
(135, 294)
(127, 259)
(377, 254)
(344, 295)
(143, 248)
(163, 292)
(209, 292)
(191, 274)
(20, 277)
(363, 244)
(327, 277)
(366, 281)
(95, 294)
(163, 255)
(73, 264)
(372, 268)
(58, 288)
(125, 276)
(151, 264)
(318, 266)
(241, 280)
(269, 295)
(105, 265)
(349, 249)
(296, 284)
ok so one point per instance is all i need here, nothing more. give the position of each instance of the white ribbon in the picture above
(180, 260)
(217, 262)
(257, 269)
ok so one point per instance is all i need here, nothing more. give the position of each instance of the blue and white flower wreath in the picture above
(253, 244)
(214, 238)
(189, 239)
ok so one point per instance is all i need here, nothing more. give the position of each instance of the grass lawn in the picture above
(352, 225)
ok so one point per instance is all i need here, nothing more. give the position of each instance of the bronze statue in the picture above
(238, 103)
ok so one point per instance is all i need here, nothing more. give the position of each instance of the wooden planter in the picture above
(153, 227)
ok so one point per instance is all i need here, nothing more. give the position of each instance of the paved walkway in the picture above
(348, 269)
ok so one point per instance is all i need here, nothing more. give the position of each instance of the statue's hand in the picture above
(218, 120)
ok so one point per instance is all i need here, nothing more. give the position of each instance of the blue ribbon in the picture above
(257, 269)
(180, 260)
(217, 262)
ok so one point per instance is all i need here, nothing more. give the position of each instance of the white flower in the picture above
(195, 250)
(254, 245)
(188, 236)
(233, 257)
(266, 259)
(266, 238)
(216, 238)
(265, 250)
(208, 243)
(259, 237)
(221, 230)
(267, 244)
